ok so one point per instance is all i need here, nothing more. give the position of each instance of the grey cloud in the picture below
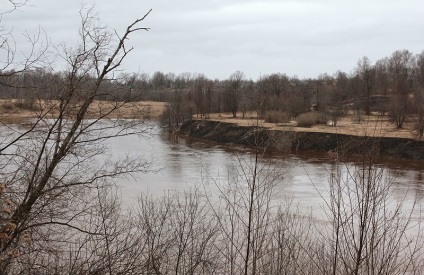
(216, 37)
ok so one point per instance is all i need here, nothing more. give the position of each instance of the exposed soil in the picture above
(374, 125)
(285, 138)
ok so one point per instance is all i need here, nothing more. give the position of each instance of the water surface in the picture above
(182, 163)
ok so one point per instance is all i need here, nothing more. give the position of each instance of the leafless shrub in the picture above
(276, 117)
(291, 242)
(310, 119)
(7, 107)
(368, 229)
(245, 214)
(179, 234)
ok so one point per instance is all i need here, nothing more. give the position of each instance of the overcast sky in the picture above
(304, 37)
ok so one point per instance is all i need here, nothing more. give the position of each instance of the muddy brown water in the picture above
(181, 163)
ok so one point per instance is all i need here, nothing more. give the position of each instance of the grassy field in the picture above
(12, 111)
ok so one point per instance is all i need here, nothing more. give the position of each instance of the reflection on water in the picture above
(181, 163)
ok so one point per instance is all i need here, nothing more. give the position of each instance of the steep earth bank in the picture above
(277, 140)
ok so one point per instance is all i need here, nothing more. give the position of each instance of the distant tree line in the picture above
(392, 86)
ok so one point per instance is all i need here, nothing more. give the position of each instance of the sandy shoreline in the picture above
(11, 112)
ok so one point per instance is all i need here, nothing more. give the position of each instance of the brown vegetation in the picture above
(12, 112)
(373, 125)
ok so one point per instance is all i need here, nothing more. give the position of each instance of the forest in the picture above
(392, 86)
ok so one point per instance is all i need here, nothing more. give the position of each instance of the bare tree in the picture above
(235, 82)
(199, 89)
(179, 107)
(419, 95)
(292, 241)
(52, 169)
(419, 114)
(170, 80)
(178, 234)
(368, 229)
(365, 72)
(382, 83)
(245, 213)
(159, 80)
(11, 65)
(401, 66)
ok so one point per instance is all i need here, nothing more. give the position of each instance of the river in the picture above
(182, 163)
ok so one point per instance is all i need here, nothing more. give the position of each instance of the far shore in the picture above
(11, 112)
(374, 125)
(294, 139)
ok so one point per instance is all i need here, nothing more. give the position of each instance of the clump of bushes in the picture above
(310, 119)
(26, 104)
(276, 117)
(7, 107)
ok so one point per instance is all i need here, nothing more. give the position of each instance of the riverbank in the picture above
(14, 112)
(293, 140)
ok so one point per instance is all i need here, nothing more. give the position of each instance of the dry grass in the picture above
(139, 109)
(373, 125)
(10, 113)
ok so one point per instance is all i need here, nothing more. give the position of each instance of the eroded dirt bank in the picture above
(222, 132)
